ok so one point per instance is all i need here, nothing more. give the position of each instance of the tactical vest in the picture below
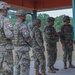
(18, 37)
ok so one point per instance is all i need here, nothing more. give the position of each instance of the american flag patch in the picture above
(24, 30)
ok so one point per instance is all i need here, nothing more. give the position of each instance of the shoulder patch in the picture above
(8, 23)
(24, 30)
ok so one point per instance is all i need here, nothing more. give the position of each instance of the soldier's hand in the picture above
(56, 34)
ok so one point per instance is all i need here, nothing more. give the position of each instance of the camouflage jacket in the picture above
(37, 38)
(50, 34)
(66, 34)
(6, 33)
(21, 35)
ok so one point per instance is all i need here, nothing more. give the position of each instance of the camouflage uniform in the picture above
(22, 41)
(51, 39)
(38, 49)
(6, 63)
(66, 36)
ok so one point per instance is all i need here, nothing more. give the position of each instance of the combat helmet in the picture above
(4, 5)
(65, 18)
(36, 21)
(51, 19)
(20, 13)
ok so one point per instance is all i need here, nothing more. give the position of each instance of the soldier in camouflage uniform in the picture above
(66, 36)
(6, 61)
(22, 41)
(38, 48)
(51, 38)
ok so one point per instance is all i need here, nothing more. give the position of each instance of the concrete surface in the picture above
(58, 64)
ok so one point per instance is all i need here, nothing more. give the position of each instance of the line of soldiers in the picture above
(51, 38)
(18, 38)
(66, 38)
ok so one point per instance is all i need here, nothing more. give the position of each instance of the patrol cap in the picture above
(65, 18)
(4, 5)
(50, 19)
(20, 13)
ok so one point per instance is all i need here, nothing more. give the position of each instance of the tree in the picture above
(43, 18)
(58, 22)
(28, 18)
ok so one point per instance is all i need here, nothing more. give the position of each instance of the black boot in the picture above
(37, 73)
(51, 70)
(65, 65)
(43, 73)
(70, 65)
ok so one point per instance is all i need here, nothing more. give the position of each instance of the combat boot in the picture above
(55, 68)
(70, 65)
(43, 73)
(51, 70)
(65, 65)
(37, 73)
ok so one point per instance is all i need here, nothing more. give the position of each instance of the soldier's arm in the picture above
(49, 37)
(8, 29)
(26, 35)
(56, 36)
(73, 41)
(72, 32)
(39, 38)
(46, 35)
(62, 38)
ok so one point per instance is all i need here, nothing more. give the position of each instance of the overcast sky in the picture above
(56, 13)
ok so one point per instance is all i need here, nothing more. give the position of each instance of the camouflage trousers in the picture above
(22, 61)
(67, 53)
(2, 53)
(39, 59)
(6, 61)
(52, 56)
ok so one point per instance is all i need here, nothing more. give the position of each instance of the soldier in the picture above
(66, 36)
(38, 48)
(22, 42)
(6, 62)
(51, 38)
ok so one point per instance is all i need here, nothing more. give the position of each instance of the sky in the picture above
(56, 13)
